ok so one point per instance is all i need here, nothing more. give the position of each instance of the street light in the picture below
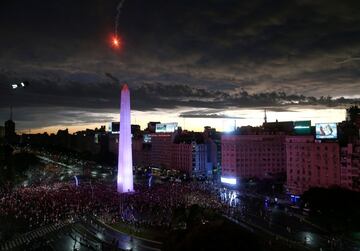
(22, 84)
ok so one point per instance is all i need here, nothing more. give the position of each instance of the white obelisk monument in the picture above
(125, 173)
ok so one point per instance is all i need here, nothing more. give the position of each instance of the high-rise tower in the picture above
(125, 173)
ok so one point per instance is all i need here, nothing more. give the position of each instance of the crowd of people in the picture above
(155, 207)
(41, 205)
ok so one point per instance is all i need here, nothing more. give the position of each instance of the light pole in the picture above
(14, 86)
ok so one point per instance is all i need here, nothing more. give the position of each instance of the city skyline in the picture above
(256, 118)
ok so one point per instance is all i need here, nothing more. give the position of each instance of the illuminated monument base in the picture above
(125, 173)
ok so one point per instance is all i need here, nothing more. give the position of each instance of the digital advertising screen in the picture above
(326, 130)
(166, 127)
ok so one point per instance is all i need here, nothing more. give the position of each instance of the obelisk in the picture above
(125, 173)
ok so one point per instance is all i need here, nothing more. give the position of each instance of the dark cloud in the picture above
(47, 103)
(150, 96)
(214, 114)
(204, 54)
(38, 117)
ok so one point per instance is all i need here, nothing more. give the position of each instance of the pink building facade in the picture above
(181, 157)
(350, 166)
(306, 161)
(248, 156)
(311, 163)
(161, 149)
(186, 156)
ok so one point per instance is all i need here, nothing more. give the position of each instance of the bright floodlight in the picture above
(229, 125)
(231, 181)
(22, 84)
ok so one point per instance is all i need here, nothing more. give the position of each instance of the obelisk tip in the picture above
(125, 87)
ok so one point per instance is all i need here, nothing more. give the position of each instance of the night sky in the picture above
(185, 61)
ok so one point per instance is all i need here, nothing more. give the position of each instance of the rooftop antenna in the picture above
(11, 112)
(265, 117)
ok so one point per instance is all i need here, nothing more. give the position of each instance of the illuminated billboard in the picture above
(302, 127)
(227, 180)
(166, 127)
(326, 130)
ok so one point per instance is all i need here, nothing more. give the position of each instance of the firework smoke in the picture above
(118, 8)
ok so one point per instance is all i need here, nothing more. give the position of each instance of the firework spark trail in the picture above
(118, 8)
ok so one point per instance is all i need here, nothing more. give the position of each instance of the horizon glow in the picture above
(253, 117)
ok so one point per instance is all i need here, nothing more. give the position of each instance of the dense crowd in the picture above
(63, 201)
